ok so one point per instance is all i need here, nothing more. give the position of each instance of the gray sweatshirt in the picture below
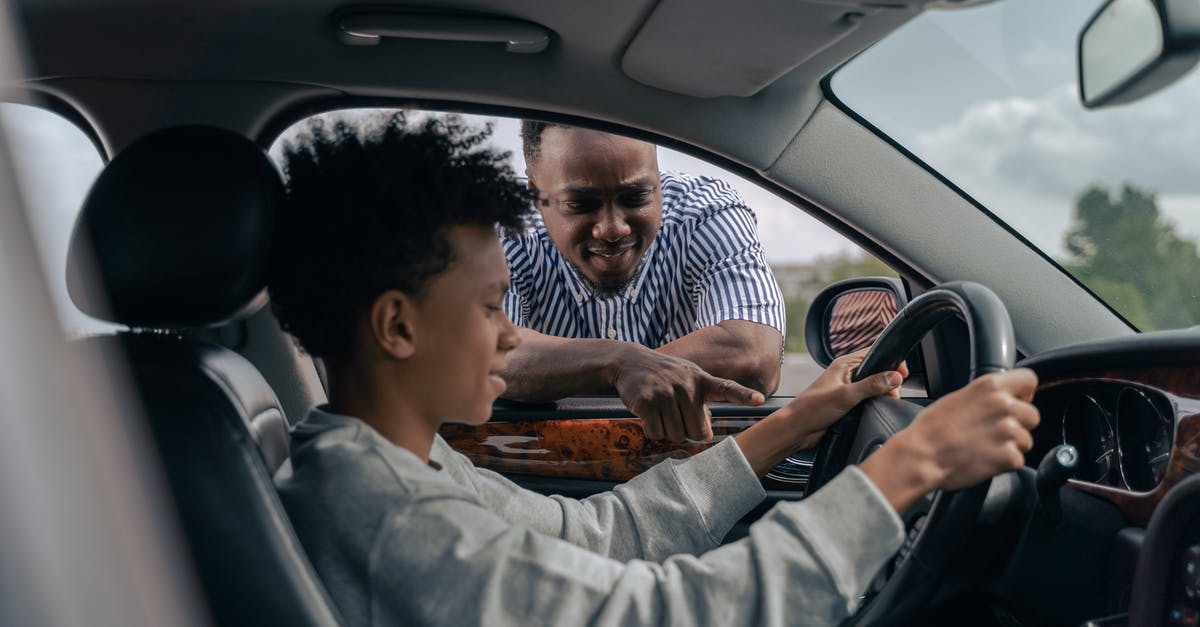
(400, 542)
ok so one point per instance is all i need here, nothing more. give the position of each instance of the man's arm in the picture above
(747, 352)
(668, 393)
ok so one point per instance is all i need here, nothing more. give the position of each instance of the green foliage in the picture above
(797, 308)
(1130, 255)
(848, 266)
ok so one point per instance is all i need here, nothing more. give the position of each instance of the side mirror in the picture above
(849, 315)
(1131, 48)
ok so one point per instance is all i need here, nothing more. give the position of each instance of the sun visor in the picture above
(711, 48)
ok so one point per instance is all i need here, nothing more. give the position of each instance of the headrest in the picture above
(177, 231)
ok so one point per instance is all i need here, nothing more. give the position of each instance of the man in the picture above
(388, 267)
(649, 284)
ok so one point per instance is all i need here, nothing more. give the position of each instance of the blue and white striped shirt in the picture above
(705, 266)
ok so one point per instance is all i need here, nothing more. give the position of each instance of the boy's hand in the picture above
(833, 394)
(965, 437)
(668, 394)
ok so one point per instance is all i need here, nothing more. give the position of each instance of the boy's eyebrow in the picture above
(499, 286)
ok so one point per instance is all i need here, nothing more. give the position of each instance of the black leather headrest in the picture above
(178, 227)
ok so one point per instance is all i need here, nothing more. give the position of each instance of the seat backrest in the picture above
(177, 231)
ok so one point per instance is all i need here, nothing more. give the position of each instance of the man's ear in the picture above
(391, 320)
(531, 183)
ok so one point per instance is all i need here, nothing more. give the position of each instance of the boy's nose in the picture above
(509, 339)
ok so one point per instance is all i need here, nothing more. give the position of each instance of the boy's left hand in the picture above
(832, 394)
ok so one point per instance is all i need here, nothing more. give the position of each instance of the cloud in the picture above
(1028, 158)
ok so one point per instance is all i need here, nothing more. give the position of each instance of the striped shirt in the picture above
(705, 266)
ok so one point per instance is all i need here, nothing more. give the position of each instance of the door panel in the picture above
(587, 444)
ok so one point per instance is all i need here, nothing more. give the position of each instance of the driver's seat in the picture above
(178, 229)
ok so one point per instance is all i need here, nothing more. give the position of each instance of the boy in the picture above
(388, 267)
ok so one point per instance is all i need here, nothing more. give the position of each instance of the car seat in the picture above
(174, 235)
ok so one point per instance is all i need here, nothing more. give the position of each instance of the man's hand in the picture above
(965, 437)
(833, 394)
(668, 394)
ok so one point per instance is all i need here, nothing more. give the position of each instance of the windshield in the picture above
(987, 97)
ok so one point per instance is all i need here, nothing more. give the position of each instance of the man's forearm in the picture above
(547, 368)
(747, 352)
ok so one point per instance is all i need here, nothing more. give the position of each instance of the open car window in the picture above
(804, 254)
(1111, 194)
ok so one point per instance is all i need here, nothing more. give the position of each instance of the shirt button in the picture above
(612, 334)
(633, 293)
(579, 298)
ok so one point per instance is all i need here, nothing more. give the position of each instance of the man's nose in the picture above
(611, 225)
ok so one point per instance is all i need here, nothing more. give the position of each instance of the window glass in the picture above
(55, 164)
(804, 254)
(1112, 194)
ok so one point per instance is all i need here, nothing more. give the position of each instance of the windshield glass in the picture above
(987, 97)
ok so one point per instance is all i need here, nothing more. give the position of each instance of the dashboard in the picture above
(1123, 430)
(1131, 407)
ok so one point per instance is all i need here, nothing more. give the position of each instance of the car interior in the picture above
(183, 101)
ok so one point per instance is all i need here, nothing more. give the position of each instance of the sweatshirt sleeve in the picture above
(805, 562)
(678, 506)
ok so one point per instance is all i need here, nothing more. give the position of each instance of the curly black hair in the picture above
(368, 209)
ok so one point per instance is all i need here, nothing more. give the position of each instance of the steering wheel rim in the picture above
(932, 537)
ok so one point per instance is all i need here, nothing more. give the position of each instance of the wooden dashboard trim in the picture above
(1175, 382)
(608, 449)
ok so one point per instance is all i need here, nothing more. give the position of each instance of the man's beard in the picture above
(600, 290)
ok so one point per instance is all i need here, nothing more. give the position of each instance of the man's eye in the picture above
(638, 199)
(581, 206)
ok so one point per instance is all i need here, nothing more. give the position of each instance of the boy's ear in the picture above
(391, 322)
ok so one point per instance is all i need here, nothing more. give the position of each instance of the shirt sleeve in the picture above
(518, 267)
(803, 563)
(733, 279)
(678, 506)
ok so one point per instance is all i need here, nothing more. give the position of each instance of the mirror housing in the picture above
(849, 315)
(1132, 48)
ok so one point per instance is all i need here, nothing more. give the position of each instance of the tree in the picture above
(1126, 251)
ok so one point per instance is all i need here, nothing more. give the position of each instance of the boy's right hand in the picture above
(965, 437)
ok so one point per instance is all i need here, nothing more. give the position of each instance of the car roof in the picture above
(742, 85)
(747, 74)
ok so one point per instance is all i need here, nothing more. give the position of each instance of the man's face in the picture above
(600, 199)
(463, 336)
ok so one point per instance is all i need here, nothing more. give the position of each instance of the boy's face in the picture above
(463, 335)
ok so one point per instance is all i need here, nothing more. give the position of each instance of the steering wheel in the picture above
(937, 526)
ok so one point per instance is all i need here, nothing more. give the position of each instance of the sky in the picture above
(984, 95)
(997, 113)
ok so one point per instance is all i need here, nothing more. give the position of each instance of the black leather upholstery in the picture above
(199, 398)
(176, 225)
(181, 226)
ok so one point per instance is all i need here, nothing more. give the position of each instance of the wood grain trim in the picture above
(612, 450)
(1177, 382)
(1185, 460)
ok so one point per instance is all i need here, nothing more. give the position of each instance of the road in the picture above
(798, 371)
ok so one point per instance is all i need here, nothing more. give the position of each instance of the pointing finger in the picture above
(716, 389)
